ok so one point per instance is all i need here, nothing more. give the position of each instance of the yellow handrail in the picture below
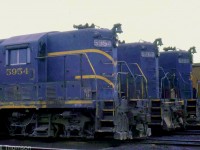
(142, 74)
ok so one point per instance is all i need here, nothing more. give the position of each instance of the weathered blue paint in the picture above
(50, 77)
(145, 54)
(178, 65)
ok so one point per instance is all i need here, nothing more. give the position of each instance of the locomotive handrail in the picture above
(186, 84)
(92, 70)
(146, 87)
(161, 84)
(182, 78)
(96, 76)
(140, 70)
(119, 90)
(136, 80)
(127, 67)
(165, 76)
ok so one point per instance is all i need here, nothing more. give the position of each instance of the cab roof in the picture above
(30, 38)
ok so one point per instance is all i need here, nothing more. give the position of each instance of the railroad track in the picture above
(10, 147)
(55, 144)
(187, 132)
(174, 142)
(177, 141)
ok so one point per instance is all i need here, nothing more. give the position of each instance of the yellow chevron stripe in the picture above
(78, 102)
(92, 67)
(182, 102)
(42, 104)
(53, 54)
(21, 106)
(24, 103)
(96, 77)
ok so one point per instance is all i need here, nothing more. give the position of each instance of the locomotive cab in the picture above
(20, 67)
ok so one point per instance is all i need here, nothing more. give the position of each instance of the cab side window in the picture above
(18, 56)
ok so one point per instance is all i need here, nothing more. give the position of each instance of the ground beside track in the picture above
(105, 144)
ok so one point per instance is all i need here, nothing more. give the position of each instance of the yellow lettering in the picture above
(17, 71)
(26, 71)
(14, 71)
(8, 72)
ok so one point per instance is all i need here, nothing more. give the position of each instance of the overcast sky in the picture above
(177, 22)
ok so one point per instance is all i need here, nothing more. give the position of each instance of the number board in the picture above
(17, 71)
(148, 54)
(102, 43)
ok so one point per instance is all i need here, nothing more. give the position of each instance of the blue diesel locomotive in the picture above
(81, 83)
(66, 84)
(177, 83)
(142, 59)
